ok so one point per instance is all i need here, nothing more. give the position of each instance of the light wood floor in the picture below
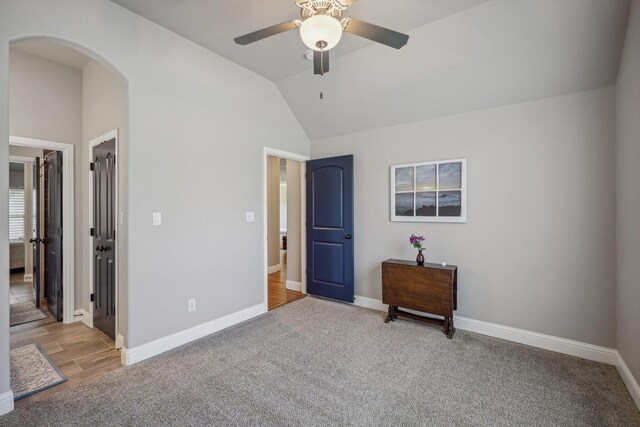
(279, 295)
(81, 353)
(19, 291)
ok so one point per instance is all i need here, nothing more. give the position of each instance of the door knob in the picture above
(348, 236)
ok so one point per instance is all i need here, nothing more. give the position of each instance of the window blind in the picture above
(16, 214)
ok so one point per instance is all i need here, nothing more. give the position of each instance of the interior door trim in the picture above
(89, 260)
(274, 152)
(68, 217)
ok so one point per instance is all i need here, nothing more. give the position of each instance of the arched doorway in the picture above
(62, 92)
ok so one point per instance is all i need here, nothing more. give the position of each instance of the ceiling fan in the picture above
(321, 28)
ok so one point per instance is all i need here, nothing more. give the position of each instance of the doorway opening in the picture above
(41, 245)
(24, 225)
(285, 252)
(60, 92)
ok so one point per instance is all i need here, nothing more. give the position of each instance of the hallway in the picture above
(279, 295)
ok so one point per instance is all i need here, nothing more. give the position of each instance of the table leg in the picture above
(449, 329)
(390, 315)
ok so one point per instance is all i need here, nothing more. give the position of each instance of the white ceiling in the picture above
(215, 23)
(499, 53)
(462, 55)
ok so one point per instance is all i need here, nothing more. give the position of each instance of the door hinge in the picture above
(91, 166)
(92, 232)
(92, 298)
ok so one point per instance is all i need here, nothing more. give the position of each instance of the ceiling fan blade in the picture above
(320, 62)
(266, 32)
(377, 34)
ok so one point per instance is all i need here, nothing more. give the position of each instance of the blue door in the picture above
(330, 228)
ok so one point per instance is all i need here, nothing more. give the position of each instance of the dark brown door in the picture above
(54, 234)
(104, 237)
(35, 240)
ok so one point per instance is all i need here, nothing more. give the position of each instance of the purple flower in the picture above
(416, 241)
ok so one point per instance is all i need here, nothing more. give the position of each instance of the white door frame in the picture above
(92, 144)
(303, 217)
(68, 218)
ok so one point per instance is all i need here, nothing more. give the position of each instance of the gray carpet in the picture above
(24, 312)
(32, 371)
(316, 362)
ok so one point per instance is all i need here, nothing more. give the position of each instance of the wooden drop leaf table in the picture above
(428, 288)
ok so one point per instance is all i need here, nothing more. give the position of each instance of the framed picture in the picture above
(429, 191)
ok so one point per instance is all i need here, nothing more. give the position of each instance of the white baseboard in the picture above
(153, 348)
(374, 304)
(274, 268)
(119, 341)
(83, 316)
(6, 402)
(294, 286)
(534, 339)
(629, 380)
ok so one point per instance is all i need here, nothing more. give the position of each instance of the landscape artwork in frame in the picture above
(429, 191)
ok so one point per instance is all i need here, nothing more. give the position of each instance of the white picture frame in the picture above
(429, 191)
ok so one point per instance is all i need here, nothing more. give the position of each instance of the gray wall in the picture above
(46, 103)
(25, 151)
(273, 211)
(193, 118)
(294, 272)
(16, 177)
(538, 251)
(628, 203)
(105, 108)
(4, 223)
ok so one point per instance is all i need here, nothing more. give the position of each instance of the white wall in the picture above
(193, 118)
(628, 203)
(538, 251)
(46, 103)
(105, 108)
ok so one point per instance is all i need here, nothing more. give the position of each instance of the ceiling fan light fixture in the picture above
(318, 29)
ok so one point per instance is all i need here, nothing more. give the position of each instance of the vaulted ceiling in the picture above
(462, 55)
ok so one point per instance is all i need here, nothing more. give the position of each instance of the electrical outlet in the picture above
(192, 305)
(157, 218)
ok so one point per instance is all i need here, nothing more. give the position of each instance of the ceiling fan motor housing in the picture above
(332, 8)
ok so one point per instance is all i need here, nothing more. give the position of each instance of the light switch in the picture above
(121, 218)
(157, 218)
(251, 216)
